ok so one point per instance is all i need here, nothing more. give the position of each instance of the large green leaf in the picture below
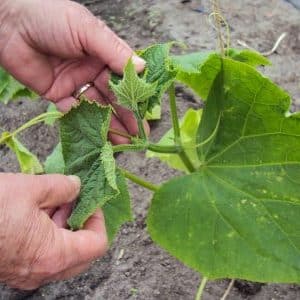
(238, 215)
(188, 129)
(199, 70)
(28, 162)
(11, 89)
(87, 154)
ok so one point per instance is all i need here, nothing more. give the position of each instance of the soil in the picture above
(144, 271)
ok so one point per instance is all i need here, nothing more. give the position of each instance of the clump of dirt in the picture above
(144, 271)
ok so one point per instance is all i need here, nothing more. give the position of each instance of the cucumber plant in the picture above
(234, 212)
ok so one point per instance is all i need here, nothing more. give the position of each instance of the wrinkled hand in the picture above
(34, 245)
(55, 47)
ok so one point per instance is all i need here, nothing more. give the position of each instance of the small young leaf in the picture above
(132, 90)
(188, 128)
(54, 163)
(29, 163)
(157, 71)
(11, 89)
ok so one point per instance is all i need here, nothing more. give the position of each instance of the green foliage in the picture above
(29, 163)
(11, 89)
(199, 70)
(157, 71)
(51, 108)
(132, 89)
(249, 57)
(83, 134)
(188, 128)
(238, 215)
(54, 163)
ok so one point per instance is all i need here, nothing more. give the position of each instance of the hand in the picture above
(55, 47)
(34, 245)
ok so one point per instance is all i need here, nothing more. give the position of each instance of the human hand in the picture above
(55, 47)
(34, 245)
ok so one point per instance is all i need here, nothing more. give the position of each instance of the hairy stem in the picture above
(201, 288)
(141, 127)
(120, 133)
(129, 147)
(139, 181)
(175, 120)
(164, 149)
(41, 118)
(176, 128)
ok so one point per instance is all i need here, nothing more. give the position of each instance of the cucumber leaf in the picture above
(11, 89)
(199, 70)
(54, 163)
(238, 215)
(28, 162)
(249, 57)
(132, 89)
(188, 128)
(157, 71)
(87, 154)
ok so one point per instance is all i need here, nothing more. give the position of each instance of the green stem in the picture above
(32, 122)
(176, 128)
(129, 147)
(120, 133)
(141, 127)
(139, 181)
(164, 149)
(187, 162)
(175, 120)
(201, 288)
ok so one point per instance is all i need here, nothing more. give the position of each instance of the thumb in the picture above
(55, 190)
(100, 41)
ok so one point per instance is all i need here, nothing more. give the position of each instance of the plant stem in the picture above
(201, 288)
(129, 147)
(164, 149)
(32, 122)
(120, 133)
(175, 120)
(187, 162)
(139, 181)
(140, 122)
(176, 128)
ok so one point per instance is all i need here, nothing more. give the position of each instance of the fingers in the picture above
(101, 42)
(84, 246)
(62, 214)
(53, 190)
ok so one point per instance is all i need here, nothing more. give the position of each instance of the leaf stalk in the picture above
(139, 181)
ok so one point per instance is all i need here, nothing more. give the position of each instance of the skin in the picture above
(54, 47)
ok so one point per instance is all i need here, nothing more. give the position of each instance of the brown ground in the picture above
(145, 271)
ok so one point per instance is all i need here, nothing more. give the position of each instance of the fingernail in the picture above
(76, 180)
(138, 62)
